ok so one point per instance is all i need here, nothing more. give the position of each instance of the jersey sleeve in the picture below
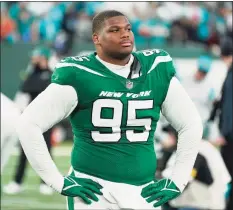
(160, 60)
(171, 71)
(166, 64)
(64, 73)
(181, 113)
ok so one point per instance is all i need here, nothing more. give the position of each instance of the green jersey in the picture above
(115, 119)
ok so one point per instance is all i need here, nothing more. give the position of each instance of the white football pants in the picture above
(115, 196)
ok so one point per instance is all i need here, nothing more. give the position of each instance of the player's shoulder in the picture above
(69, 65)
(75, 61)
(69, 68)
(65, 71)
(152, 55)
(149, 52)
(154, 58)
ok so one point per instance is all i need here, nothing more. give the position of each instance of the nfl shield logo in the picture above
(129, 84)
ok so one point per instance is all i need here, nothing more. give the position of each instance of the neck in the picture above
(120, 62)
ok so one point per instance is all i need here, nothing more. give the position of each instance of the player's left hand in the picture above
(163, 191)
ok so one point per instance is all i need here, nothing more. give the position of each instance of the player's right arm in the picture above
(54, 104)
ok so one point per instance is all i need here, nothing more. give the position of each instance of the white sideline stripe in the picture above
(159, 59)
(29, 204)
(59, 65)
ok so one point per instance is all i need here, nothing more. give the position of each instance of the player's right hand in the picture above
(86, 189)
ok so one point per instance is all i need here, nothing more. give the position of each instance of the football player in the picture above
(113, 98)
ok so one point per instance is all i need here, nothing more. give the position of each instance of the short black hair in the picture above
(99, 19)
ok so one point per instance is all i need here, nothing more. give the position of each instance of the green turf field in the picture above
(30, 198)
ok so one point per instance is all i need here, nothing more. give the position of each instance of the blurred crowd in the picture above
(155, 22)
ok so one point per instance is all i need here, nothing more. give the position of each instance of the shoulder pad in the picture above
(82, 60)
(155, 52)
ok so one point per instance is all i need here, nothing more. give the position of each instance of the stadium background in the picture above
(187, 30)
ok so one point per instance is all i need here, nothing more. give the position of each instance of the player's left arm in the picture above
(181, 113)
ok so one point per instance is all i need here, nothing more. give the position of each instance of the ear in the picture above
(95, 39)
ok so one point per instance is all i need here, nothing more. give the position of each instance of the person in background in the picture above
(224, 108)
(8, 25)
(208, 181)
(37, 78)
(199, 87)
(9, 115)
